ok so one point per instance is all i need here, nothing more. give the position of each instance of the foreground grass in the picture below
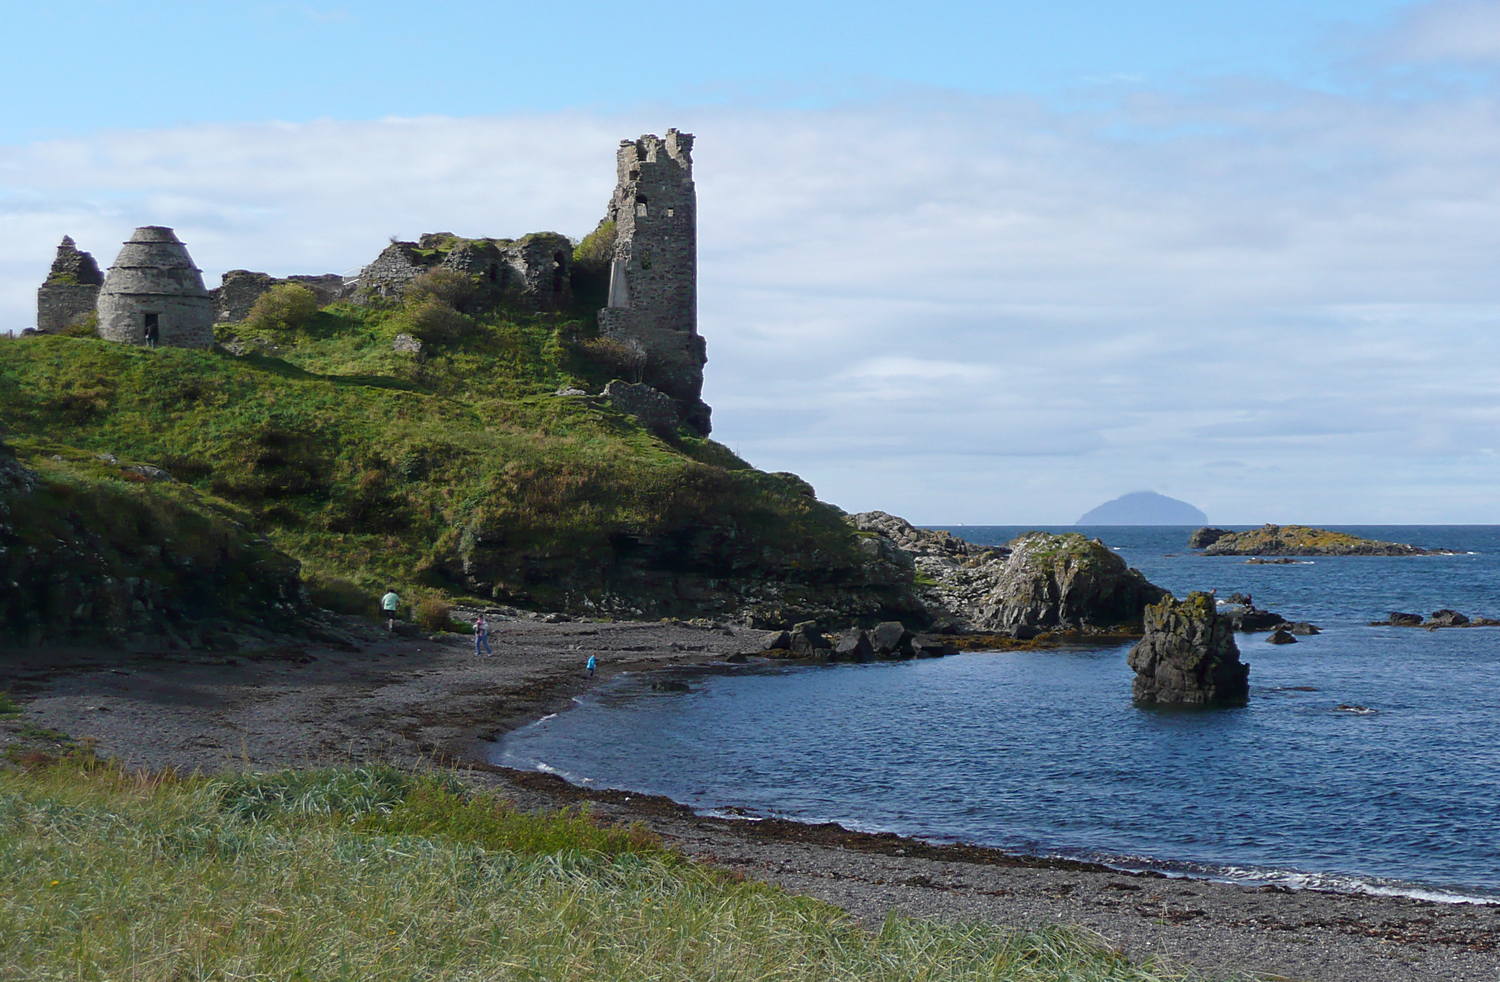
(370, 873)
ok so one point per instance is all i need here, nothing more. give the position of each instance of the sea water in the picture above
(1042, 751)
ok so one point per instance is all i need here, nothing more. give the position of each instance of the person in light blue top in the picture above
(388, 605)
(591, 664)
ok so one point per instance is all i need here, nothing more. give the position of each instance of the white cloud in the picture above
(1449, 30)
(1259, 301)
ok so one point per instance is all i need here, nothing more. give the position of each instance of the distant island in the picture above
(1299, 540)
(1144, 508)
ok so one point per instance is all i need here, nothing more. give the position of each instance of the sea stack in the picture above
(153, 289)
(1188, 656)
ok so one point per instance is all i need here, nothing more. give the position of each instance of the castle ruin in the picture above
(653, 276)
(153, 290)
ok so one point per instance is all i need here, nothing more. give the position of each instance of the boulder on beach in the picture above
(1188, 656)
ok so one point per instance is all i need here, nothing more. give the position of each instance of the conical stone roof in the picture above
(154, 261)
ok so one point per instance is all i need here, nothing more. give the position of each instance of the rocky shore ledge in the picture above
(1299, 540)
(419, 702)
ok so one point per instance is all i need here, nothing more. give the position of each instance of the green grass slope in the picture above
(372, 874)
(92, 551)
(456, 471)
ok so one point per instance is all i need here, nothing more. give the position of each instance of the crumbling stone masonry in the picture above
(533, 272)
(154, 284)
(71, 289)
(240, 288)
(653, 295)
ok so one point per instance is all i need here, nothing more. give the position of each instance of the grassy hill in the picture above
(456, 470)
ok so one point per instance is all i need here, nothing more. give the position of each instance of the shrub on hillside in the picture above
(284, 307)
(448, 287)
(433, 615)
(622, 358)
(435, 322)
(86, 326)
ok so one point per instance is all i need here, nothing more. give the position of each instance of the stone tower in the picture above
(653, 295)
(154, 283)
(70, 291)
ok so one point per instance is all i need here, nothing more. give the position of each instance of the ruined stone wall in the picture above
(240, 288)
(653, 275)
(532, 272)
(70, 291)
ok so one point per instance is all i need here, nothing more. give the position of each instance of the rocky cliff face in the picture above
(90, 561)
(1188, 656)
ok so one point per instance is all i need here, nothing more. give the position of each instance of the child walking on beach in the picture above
(482, 636)
(591, 664)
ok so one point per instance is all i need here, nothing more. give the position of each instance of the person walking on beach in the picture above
(591, 664)
(482, 635)
(388, 605)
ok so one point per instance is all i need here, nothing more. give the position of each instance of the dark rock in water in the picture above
(891, 639)
(1143, 508)
(1302, 540)
(1188, 656)
(927, 646)
(1348, 707)
(853, 646)
(670, 685)
(1205, 537)
(1283, 561)
(738, 658)
(1281, 637)
(807, 640)
(1025, 632)
(1251, 620)
(1447, 618)
(1301, 627)
(1401, 619)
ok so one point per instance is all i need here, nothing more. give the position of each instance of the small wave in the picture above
(547, 768)
(1340, 883)
(547, 717)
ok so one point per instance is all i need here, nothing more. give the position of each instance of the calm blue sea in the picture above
(1043, 752)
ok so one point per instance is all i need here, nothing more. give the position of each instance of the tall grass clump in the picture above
(368, 873)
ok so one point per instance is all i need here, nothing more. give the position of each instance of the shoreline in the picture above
(416, 702)
(915, 843)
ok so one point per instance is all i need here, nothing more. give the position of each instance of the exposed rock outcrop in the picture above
(1188, 656)
(1205, 537)
(1065, 581)
(1040, 581)
(656, 410)
(1302, 540)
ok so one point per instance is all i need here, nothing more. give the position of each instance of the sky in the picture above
(970, 263)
